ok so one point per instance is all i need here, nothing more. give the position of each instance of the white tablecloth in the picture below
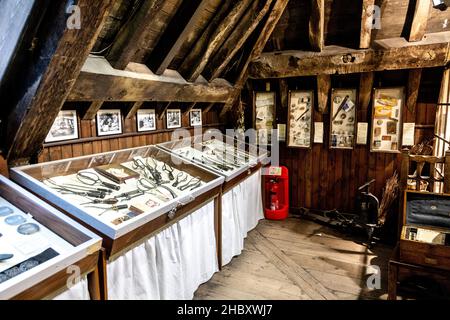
(79, 291)
(242, 208)
(170, 265)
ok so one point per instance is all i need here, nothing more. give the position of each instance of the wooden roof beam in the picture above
(99, 81)
(391, 54)
(57, 62)
(172, 39)
(366, 24)
(136, 39)
(317, 25)
(419, 21)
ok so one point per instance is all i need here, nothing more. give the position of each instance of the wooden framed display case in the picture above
(168, 189)
(344, 104)
(264, 106)
(300, 124)
(44, 243)
(221, 154)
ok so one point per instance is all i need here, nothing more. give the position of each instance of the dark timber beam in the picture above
(391, 54)
(414, 77)
(269, 24)
(133, 42)
(171, 42)
(212, 38)
(365, 89)
(92, 110)
(323, 92)
(366, 24)
(94, 83)
(57, 61)
(317, 25)
(248, 23)
(419, 21)
(133, 109)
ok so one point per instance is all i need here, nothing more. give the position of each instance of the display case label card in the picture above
(408, 133)
(318, 132)
(363, 128)
(281, 132)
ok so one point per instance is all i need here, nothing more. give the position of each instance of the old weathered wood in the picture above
(317, 25)
(213, 37)
(366, 24)
(237, 39)
(91, 112)
(392, 54)
(323, 92)
(267, 28)
(209, 107)
(420, 19)
(137, 38)
(365, 89)
(189, 108)
(58, 62)
(284, 92)
(162, 110)
(134, 109)
(98, 81)
(414, 77)
(166, 50)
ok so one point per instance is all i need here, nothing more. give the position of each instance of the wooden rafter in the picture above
(323, 92)
(99, 81)
(167, 49)
(248, 23)
(317, 25)
(136, 38)
(92, 110)
(419, 21)
(52, 78)
(366, 24)
(189, 108)
(133, 109)
(392, 54)
(212, 38)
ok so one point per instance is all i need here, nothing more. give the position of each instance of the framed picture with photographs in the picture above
(195, 116)
(65, 127)
(146, 120)
(386, 134)
(343, 118)
(264, 116)
(300, 119)
(109, 122)
(173, 118)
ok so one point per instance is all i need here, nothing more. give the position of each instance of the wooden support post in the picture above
(134, 109)
(209, 107)
(284, 92)
(91, 112)
(366, 24)
(50, 75)
(163, 109)
(317, 25)
(414, 78)
(189, 108)
(420, 20)
(323, 92)
(365, 89)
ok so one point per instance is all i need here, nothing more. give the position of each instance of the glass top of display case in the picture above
(117, 192)
(219, 153)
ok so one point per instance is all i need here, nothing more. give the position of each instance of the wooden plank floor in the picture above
(299, 259)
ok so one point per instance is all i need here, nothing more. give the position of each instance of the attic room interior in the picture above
(225, 150)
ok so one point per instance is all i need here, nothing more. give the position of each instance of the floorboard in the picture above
(299, 260)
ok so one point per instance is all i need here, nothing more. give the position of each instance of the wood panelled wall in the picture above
(90, 143)
(327, 179)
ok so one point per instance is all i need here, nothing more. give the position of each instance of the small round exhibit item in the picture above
(5, 211)
(15, 220)
(28, 229)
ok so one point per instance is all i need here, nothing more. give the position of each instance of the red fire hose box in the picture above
(276, 188)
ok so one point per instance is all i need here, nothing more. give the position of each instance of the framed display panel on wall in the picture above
(386, 133)
(300, 119)
(109, 122)
(195, 117)
(173, 118)
(343, 118)
(264, 116)
(146, 120)
(65, 127)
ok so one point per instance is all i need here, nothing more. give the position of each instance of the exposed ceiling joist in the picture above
(317, 25)
(99, 81)
(213, 37)
(391, 54)
(171, 42)
(366, 24)
(133, 109)
(51, 79)
(419, 21)
(92, 110)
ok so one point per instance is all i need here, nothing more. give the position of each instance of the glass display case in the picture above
(119, 192)
(37, 244)
(220, 154)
